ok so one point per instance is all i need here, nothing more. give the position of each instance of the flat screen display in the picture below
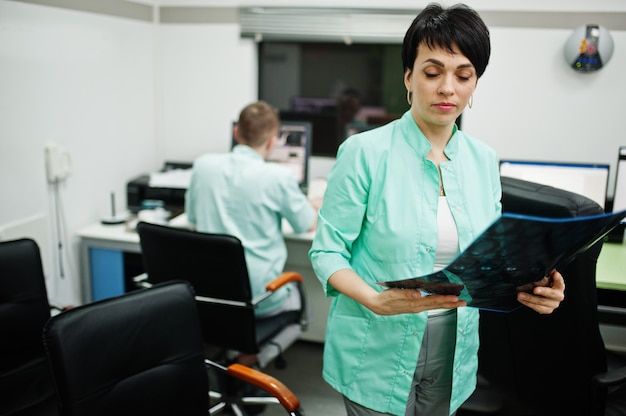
(324, 139)
(587, 179)
(293, 149)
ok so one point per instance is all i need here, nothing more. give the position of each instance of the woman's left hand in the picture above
(545, 299)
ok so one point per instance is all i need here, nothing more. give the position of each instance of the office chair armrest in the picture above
(611, 377)
(268, 383)
(282, 280)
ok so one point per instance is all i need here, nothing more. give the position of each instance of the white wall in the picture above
(84, 81)
(207, 74)
(530, 104)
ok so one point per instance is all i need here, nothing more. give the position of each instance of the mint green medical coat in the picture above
(379, 218)
(240, 194)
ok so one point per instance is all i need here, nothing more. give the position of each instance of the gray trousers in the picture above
(432, 381)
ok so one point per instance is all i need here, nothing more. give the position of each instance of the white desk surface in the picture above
(117, 232)
(123, 233)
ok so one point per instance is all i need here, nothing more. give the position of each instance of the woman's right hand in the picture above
(390, 301)
(398, 301)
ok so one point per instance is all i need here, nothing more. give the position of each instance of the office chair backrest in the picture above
(530, 198)
(24, 307)
(140, 353)
(213, 261)
(25, 381)
(546, 361)
(215, 266)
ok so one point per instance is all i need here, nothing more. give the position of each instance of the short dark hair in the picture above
(459, 25)
(257, 123)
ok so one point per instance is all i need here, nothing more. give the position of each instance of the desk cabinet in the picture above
(110, 258)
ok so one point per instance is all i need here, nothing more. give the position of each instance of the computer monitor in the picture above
(293, 149)
(587, 179)
(619, 194)
(324, 139)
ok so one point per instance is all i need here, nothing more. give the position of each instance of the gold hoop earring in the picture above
(471, 101)
(409, 97)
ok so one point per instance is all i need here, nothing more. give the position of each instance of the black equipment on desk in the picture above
(619, 196)
(139, 191)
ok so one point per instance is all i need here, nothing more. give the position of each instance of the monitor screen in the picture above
(325, 138)
(587, 179)
(619, 195)
(293, 149)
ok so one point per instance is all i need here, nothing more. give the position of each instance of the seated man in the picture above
(240, 194)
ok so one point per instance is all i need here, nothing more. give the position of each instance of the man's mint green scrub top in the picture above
(240, 194)
(379, 218)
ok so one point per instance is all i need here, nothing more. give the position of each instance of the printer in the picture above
(165, 188)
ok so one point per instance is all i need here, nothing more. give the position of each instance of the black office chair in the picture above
(25, 382)
(532, 364)
(139, 353)
(215, 266)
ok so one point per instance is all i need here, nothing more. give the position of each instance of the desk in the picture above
(105, 251)
(611, 269)
(102, 249)
(611, 283)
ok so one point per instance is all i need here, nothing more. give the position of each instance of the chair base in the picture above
(239, 403)
(228, 395)
(233, 395)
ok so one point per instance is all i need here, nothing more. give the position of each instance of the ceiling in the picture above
(481, 5)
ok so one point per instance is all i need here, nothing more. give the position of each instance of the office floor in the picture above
(303, 376)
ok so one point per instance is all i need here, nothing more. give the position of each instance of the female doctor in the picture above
(403, 200)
